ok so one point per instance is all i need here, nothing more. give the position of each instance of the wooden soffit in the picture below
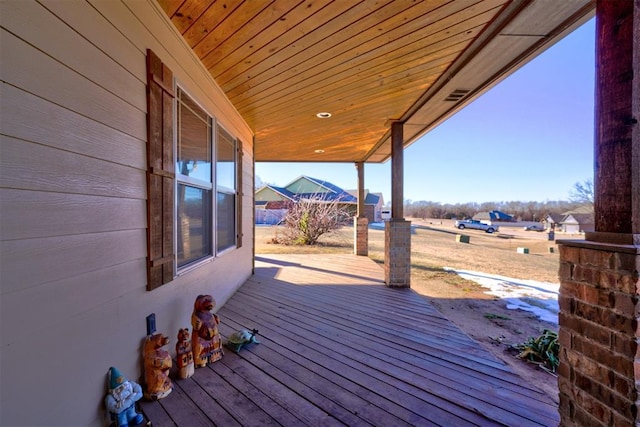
(367, 63)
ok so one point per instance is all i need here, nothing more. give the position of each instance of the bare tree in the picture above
(582, 192)
(310, 218)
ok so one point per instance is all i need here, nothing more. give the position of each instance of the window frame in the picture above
(194, 183)
(228, 191)
(214, 189)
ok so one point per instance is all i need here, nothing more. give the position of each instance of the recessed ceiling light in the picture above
(323, 115)
(319, 151)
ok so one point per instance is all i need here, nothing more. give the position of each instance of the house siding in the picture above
(73, 203)
(303, 185)
(268, 195)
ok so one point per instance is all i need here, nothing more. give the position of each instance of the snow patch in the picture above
(539, 298)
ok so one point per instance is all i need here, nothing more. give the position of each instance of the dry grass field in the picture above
(434, 246)
(483, 317)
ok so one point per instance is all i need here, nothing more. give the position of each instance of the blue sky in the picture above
(528, 139)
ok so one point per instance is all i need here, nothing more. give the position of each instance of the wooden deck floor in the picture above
(339, 348)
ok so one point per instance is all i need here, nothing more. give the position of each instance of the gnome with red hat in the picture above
(121, 399)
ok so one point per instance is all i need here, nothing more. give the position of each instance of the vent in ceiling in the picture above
(457, 95)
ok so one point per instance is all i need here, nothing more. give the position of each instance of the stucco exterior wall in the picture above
(73, 203)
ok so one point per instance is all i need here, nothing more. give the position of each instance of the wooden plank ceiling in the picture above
(366, 63)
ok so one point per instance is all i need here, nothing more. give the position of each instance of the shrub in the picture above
(542, 350)
(310, 218)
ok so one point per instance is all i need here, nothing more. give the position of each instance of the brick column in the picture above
(599, 370)
(361, 236)
(397, 253)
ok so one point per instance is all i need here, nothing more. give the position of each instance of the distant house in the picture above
(273, 195)
(373, 203)
(272, 204)
(579, 220)
(269, 199)
(482, 216)
(578, 223)
(493, 216)
(305, 187)
(552, 221)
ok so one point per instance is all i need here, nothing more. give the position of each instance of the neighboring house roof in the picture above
(372, 199)
(343, 197)
(500, 216)
(580, 215)
(326, 184)
(322, 191)
(555, 218)
(586, 209)
(369, 198)
(306, 184)
(286, 193)
(482, 215)
(493, 216)
(578, 218)
(281, 191)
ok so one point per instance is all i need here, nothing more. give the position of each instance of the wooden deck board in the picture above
(337, 379)
(339, 348)
(305, 382)
(437, 333)
(361, 334)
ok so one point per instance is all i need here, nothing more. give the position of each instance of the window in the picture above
(194, 182)
(193, 205)
(226, 190)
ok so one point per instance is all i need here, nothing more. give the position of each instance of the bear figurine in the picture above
(184, 355)
(207, 345)
(157, 363)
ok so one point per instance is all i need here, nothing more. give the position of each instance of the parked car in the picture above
(475, 225)
(534, 227)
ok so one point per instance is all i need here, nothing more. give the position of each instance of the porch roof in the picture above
(339, 348)
(366, 62)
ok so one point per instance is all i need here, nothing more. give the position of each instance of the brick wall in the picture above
(599, 361)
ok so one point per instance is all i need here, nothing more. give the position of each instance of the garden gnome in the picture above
(184, 355)
(207, 345)
(121, 398)
(157, 363)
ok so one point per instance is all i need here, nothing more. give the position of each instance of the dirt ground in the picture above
(483, 317)
(487, 320)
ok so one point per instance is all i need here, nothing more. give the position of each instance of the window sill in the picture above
(194, 265)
